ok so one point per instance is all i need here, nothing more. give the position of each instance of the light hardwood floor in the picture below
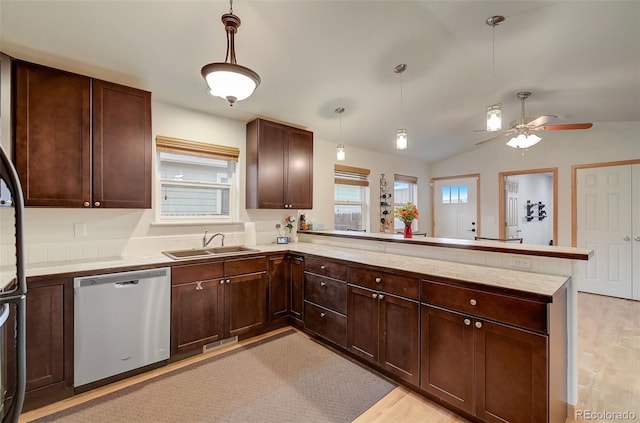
(608, 366)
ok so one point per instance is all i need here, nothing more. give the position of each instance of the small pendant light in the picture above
(402, 139)
(341, 155)
(494, 112)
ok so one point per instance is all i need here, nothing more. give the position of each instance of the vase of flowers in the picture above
(407, 213)
(289, 221)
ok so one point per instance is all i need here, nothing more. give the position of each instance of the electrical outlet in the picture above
(520, 262)
(277, 226)
(79, 229)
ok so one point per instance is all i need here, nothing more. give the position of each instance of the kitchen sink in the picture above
(206, 252)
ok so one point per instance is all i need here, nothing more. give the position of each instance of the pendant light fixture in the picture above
(229, 80)
(402, 139)
(341, 155)
(494, 112)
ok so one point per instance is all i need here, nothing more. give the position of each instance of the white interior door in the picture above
(604, 216)
(455, 208)
(511, 201)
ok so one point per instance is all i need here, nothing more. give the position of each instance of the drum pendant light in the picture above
(494, 112)
(229, 80)
(402, 139)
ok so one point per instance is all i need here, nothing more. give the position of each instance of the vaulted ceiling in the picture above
(580, 59)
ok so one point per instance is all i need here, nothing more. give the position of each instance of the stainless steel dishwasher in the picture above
(121, 322)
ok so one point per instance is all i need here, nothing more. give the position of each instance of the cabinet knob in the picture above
(97, 204)
(221, 281)
(473, 301)
(380, 296)
(627, 238)
(637, 238)
(374, 295)
(86, 204)
(322, 266)
(378, 280)
(478, 325)
(467, 322)
(228, 281)
(322, 314)
(199, 286)
(322, 283)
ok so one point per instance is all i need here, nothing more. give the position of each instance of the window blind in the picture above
(200, 149)
(349, 175)
(405, 178)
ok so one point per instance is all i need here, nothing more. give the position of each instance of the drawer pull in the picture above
(374, 295)
(467, 322)
(473, 301)
(322, 266)
(199, 286)
(322, 283)
(478, 325)
(322, 314)
(378, 280)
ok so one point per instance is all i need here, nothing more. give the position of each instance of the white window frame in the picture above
(348, 175)
(413, 182)
(194, 148)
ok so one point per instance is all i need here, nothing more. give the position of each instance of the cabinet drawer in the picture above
(326, 323)
(196, 272)
(241, 266)
(515, 311)
(326, 292)
(326, 268)
(404, 286)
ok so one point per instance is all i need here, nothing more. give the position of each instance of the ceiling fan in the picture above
(523, 134)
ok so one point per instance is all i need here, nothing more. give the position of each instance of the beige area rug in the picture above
(284, 378)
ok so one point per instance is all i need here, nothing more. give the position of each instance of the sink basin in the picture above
(206, 252)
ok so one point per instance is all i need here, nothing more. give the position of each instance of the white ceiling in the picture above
(581, 60)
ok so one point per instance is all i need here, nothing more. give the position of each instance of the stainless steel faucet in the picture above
(206, 241)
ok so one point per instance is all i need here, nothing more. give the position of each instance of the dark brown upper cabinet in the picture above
(279, 166)
(79, 141)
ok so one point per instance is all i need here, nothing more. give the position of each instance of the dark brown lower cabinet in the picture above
(493, 371)
(383, 329)
(245, 303)
(297, 287)
(49, 343)
(279, 286)
(196, 317)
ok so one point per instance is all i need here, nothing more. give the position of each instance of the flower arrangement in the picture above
(407, 213)
(289, 220)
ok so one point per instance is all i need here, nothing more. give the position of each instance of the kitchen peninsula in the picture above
(486, 314)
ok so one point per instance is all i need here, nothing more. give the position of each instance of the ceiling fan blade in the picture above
(505, 134)
(541, 121)
(566, 126)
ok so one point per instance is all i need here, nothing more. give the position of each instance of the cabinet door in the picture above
(271, 181)
(399, 346)
(245, 303)
(297, 287)
(300, 169)
(279, 284)
(52, 145)
(447, 356)
(362, 323)
(121, 146)
(511, 374)
(196, 315)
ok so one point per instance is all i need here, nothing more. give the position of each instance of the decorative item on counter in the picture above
(302, 225)
(407, 213)
(290, 220)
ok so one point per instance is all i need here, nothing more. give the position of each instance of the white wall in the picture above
(49, 233)
(562, 149)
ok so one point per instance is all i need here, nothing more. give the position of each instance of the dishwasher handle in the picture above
(126, 283)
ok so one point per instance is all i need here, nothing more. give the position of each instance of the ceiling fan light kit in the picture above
(229, 80)
(402, 139)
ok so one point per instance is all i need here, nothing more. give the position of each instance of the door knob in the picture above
(472, 230)
(627, 238)
(637, 238)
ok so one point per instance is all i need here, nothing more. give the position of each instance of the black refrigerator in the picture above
(12, 294)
